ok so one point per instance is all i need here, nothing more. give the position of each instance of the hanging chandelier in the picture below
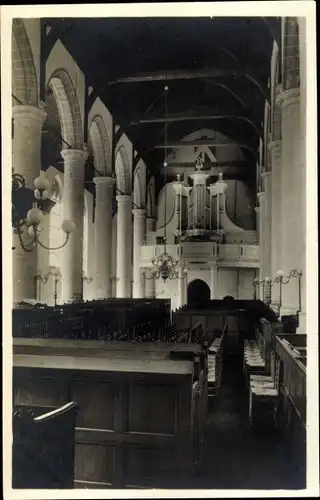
(27, 213)
(164, 265)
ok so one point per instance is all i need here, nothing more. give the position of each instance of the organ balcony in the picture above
(226, 255)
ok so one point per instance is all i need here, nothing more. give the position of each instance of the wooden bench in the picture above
(43, 446)
(215, 363)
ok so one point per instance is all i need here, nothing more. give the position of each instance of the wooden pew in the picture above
(43, 446)
(141, 419)
(215, 363)
(109, 319)
(292, 352)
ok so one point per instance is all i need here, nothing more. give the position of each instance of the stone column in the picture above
(177, 186)
(151, 224)
(139, 234)
(124, 246)
(151, 283)
(293, 238)
(182, 278)
(262, 243)
(275, 149)
(214, 282)
(26, 160)
(267, 180)
(103, 237)
(73, 207)
(304, 167)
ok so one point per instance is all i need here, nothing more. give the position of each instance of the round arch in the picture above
(290, 53)
(100, 145)
(198, 291)
(122, 170)
(151, 198)
(139, 185)
(24, 78)
(68, 107)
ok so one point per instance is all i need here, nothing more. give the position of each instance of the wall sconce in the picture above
(256, 283)
(25, 211)
(55, 272)
(42, 279)
(266, 284)
(85, 278)
(284, 280)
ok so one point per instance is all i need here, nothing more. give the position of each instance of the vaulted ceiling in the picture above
(217, 71)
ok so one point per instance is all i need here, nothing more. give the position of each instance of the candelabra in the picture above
(42, 279)
(165, 267)
(57, 278)
(284, 280)
(265, 283)
(25, 211)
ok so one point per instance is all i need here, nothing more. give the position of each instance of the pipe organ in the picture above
(200, 208)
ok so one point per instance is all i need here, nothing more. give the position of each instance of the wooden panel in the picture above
(94, 462)
(96, 403)
(151, 408)
(39, 392)
(142, 464)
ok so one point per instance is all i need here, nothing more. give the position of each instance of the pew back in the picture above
(43, 446)
(135, 424)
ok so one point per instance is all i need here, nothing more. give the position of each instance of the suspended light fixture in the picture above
(164, 265)
(23, 215)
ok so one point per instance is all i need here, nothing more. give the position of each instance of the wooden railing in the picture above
(291, 349)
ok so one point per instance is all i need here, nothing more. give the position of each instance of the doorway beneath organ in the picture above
(198, 292)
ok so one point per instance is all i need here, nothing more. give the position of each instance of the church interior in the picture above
(159, 252)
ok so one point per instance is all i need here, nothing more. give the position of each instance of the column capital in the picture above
(76, 156)
(104, 181)
(288, 97)
(124, 199)
(139, 212)
(27, 112)
(275, 147)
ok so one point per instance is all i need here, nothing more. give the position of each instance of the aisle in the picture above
(235, 458)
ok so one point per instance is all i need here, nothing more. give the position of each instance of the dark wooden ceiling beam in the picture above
(211, 117)
(167, 75)
(217, 164)
(199, 143)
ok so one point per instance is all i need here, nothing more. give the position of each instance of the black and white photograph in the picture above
(160, 267)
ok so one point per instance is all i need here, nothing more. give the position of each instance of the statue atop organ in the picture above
(201, 207)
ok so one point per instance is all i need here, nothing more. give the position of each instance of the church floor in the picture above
(234, 456)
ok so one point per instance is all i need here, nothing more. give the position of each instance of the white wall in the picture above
(240, 204)
(235, 282)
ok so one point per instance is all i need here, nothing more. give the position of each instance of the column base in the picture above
(288, 311)
(275, 306)
(302, 328)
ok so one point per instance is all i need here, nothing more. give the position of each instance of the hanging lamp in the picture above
(164, 265)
